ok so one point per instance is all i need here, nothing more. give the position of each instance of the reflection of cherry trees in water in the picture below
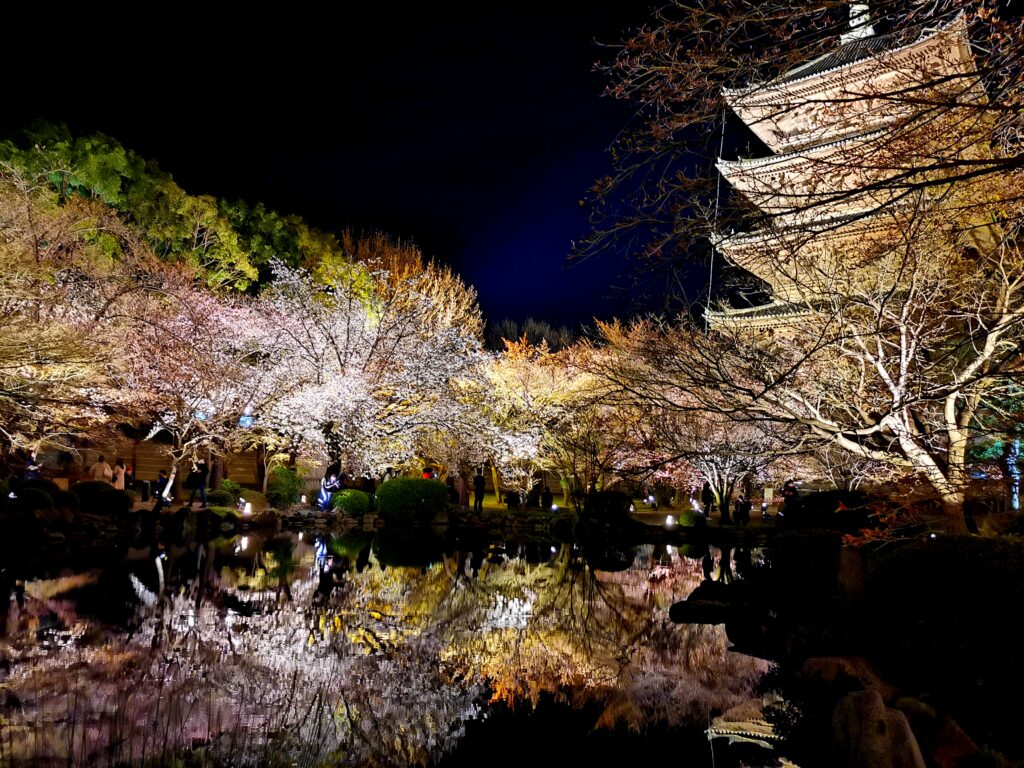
(386, 668)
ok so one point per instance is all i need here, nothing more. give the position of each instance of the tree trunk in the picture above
(497, 485)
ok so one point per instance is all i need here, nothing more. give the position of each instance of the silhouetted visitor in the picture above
(453, 493)
(741, 513)
(707, 499)
(547, 499)
(159, 487)
(789, 495)
(512, 500)
(479, 486)
(197, 482)
(707, 565)
(462, 489)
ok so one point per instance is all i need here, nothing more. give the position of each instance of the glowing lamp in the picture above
(303, 499)
(554, 507)
(245, 543)
(670, 521)
(248, 508)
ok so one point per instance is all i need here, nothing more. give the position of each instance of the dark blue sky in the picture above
(475, 135)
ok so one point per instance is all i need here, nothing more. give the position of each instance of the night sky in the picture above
(473, 134)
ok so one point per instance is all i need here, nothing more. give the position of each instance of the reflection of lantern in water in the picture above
(245, 543)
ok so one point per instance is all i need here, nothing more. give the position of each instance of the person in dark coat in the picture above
(197, 482)
(741, 514)
(158, 488)
(707, 499)
(547, 500)
(479, 486)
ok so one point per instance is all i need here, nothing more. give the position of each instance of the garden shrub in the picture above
(411, 499)
(65, 500)
(693, 518)
(220, 498)
(39, 484)
(133, 495)
(257, 499)
(233, 488)
(86, 489)
(221, 511)
(283, 487)
(34, 500)
(109, 502)
(351, 502)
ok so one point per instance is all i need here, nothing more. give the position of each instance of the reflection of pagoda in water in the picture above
(840, 127)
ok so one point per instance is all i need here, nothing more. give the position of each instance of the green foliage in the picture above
(351, 502)
(411, 499)
(220, 497)
(230, 486)
(283, 487)
(692, 518)
(351, 544)
(220, 511)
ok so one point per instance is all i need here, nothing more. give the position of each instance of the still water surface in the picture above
(404, 649)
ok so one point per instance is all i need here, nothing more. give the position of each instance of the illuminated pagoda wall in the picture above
(833, 124)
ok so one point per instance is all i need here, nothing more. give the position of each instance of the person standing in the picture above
(707, 499)
(119, 473)
(462, 489)
(742, 511)
(479, 486)
(159, 487)
(197, 482)
(101, 470)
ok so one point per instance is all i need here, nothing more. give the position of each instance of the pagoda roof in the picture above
(802, 154)
(846, 55)
(824, 225)
(765, 315)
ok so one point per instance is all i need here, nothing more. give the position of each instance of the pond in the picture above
(361, 648)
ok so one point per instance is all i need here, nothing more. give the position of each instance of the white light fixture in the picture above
(670, 522)
(303, 499)
(300, 535)
(248, 508)
(245, 543)
(554, 507)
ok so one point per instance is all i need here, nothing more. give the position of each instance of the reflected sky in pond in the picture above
(364, 652)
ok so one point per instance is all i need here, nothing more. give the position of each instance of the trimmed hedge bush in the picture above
(231, 487)
(98, 497)
(39, 484)
(351, 502)
(65, 500)
(284, 487)
(89, 488)
(220, 498)
(411, 499)
(111, 501)
(34, 500)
